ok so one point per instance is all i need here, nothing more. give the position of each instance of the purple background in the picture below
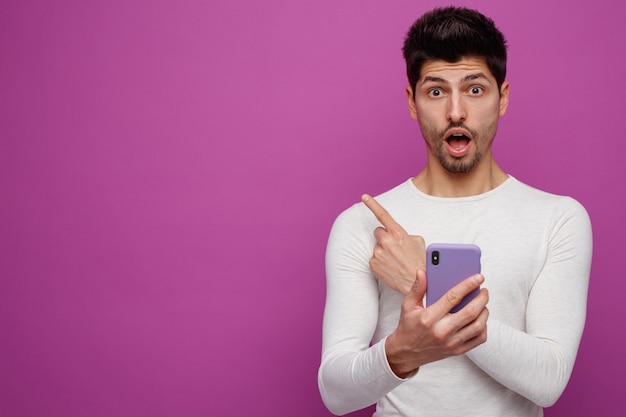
(170, 171)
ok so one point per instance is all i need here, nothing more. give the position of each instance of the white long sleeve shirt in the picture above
(536, 257)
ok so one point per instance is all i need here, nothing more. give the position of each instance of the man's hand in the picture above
(397, 255)
(429, 334)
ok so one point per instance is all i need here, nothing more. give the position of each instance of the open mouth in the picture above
(458, 143)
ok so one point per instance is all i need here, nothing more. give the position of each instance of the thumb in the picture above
(418, 290)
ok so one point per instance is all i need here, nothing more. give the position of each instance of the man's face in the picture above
(458, 106)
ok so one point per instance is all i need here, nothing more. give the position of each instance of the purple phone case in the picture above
(457, 261)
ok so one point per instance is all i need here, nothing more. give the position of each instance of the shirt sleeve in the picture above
(352, 374)
(537, 363)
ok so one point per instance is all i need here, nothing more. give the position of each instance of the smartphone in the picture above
(447, 265)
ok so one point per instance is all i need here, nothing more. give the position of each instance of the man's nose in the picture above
(456, 108)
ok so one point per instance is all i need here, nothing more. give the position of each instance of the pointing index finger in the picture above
(381, 213)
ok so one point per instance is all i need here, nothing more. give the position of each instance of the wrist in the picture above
(396, 358)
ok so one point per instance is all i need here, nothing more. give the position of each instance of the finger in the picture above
(381, 213)
(415, 296)
(478, 304)
(477, 325)
(454, 295)
(420, 288)
(379, 233)
(476, 332)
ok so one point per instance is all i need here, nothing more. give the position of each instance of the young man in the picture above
(511, 350)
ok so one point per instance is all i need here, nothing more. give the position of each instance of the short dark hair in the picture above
(452, 34)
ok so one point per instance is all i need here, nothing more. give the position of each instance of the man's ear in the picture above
(411, 102)
(504, 98)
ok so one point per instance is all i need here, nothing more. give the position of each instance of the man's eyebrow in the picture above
(475, 76)
(430, 78)
(469, 77)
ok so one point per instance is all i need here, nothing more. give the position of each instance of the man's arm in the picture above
(352, 375)
(537, 363)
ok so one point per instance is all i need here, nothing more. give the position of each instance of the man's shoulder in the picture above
(397, 194)
(529, 196)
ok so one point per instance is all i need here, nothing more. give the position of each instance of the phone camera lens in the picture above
(435, 257)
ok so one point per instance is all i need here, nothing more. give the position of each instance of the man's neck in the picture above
(436, 181)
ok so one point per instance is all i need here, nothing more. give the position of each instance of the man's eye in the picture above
(476, 90)
(435, 92)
